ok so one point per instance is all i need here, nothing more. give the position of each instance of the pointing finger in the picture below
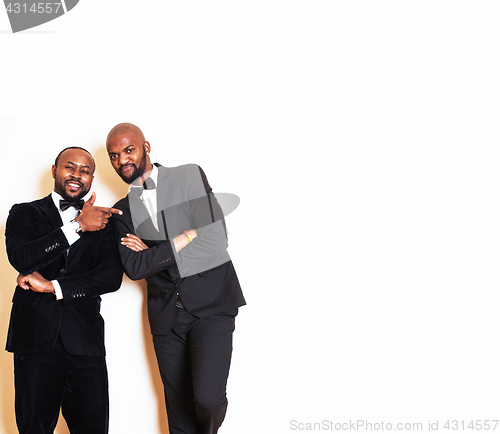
(110, 210)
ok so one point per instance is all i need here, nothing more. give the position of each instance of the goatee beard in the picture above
(59, 188)
(137, 173)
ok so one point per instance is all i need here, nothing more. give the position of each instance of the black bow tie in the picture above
(149, 184)
(65, 204)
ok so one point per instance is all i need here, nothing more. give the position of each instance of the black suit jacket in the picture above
(35, 242)
(202, 273)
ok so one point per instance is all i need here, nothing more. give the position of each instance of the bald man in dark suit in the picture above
(173, 234)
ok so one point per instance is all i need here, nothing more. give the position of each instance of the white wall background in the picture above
(363, 140)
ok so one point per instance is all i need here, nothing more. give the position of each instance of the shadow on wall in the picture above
(7, 285)
(152, 364)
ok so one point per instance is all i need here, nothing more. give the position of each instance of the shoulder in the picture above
(183, 170)
(123, 202)
(188, 177)
(31, 206)
(187, 173)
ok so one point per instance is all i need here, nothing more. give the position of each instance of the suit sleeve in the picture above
(105, 277)
(141, 265)
(26, 251)
(209, 248)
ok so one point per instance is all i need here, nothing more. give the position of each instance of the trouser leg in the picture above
(194, 359)
(39, 386)
(211, 347)
(174, 363)
(45, 382)
(85, 406)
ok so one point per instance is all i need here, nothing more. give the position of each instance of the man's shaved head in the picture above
(126, 129)
(129, 153)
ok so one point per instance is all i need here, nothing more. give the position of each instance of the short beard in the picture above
(59, 188)
(138, 171)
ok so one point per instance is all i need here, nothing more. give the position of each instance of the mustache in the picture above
(127, 165)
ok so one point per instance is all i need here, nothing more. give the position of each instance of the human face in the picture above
(128, 157)
(74, 174)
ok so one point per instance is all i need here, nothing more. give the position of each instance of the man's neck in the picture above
(146, 174)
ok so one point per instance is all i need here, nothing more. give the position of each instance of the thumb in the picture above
(91, 200)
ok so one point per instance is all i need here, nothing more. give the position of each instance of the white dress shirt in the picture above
(69, 230)
(148, 197)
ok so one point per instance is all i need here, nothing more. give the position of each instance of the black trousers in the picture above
(45, 383)
(194, 359)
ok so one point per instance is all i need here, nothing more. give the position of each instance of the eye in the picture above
(113, 157)
(129, 150)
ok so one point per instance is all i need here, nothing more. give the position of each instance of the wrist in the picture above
(189, 237)
(77, 226)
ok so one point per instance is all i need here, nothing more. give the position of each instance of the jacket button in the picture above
(62, 270)
(46, 250)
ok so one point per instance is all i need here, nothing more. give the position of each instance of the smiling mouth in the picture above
(73, 185)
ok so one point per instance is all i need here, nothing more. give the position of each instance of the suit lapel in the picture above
(47, 206)
(141, 220)
(161, 200)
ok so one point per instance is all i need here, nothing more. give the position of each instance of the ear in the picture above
(147, 147)
(53, 171)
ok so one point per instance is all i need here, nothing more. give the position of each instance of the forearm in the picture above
(28, 252)
(104, 277)
(148, 262)
(208, 250)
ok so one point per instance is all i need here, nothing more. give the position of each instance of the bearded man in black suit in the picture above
(66, 260)
(172, 233)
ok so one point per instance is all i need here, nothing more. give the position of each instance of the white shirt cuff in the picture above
(69, 232)
(57, 288)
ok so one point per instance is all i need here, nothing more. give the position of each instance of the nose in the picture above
(123, 159)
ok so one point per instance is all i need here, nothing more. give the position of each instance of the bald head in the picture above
(125, 129)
